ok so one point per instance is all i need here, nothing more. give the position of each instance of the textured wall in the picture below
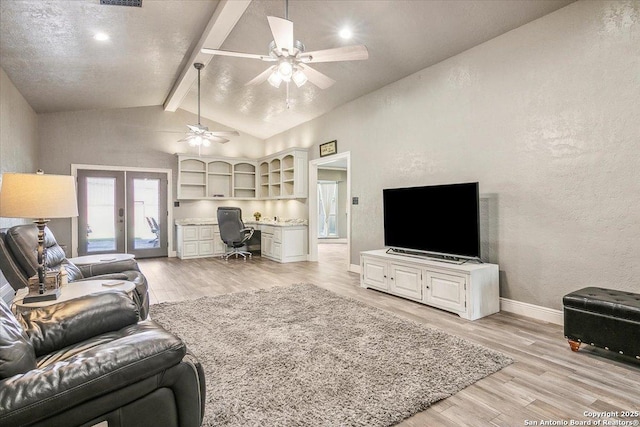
(546, 118)
(18, 146)
(18, 135)
(130, 137)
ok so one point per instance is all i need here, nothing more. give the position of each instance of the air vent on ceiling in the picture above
(134, 3)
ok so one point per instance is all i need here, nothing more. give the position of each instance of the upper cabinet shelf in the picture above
(284, 175)
(279, 176)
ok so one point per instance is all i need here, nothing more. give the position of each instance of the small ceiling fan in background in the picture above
(291, 60)
(199, 135)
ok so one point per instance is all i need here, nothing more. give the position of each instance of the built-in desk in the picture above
(281, 241)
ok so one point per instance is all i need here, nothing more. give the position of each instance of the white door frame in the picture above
(313, 203)
(168, 172)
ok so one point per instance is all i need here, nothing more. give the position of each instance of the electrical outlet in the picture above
(354, 200)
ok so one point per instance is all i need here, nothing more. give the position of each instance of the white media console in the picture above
(470, 290)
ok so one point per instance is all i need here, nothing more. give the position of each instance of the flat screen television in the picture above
(441, 220)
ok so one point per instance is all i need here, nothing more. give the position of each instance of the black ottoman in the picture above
(604, 318)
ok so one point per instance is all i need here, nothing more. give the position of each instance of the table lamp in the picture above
(38, 197)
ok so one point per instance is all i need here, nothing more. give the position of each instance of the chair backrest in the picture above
(230, 223)
(19, 254)
(16, 277)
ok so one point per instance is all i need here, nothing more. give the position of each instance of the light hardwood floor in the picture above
(547, 382)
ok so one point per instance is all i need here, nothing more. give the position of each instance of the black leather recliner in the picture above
(19, 261)
(89, 360)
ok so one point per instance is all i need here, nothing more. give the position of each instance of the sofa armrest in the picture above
(109, 363)
(89, 270)
(60, 325)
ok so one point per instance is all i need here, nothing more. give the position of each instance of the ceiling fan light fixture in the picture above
(299, 78)
(275, 79)
(285, 69)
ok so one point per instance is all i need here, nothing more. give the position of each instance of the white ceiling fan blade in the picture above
(345, 53)
(316, 77)
(197, 128)
(262, 77)
(237, 54)
(218, 139)
(221, 133)
(188, 138)
(282, 30)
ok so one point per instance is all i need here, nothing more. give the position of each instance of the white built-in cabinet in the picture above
(199, 241)
(284, 175)
(470, 290)
(279, 176)
(215, 178)
(283, 244)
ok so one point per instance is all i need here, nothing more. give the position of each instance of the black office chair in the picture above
(233, 231)
(155, 229)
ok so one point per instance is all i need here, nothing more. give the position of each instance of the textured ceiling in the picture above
(48, 51)
(46, 48)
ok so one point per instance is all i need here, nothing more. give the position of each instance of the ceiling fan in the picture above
(291, 62)
(199, 135)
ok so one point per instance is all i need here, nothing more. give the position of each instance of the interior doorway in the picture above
(122, 211)
(330, 210)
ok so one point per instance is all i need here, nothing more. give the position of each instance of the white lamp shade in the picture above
(38, 196)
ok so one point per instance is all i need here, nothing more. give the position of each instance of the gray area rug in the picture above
(303, 356)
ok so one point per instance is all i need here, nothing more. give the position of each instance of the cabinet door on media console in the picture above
(374, 273)
(445, 291)
(405, 281)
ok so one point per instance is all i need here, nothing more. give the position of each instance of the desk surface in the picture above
(75, 290)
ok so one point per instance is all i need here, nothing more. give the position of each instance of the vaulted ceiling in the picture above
(48, 50)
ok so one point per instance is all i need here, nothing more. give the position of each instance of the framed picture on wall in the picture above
(329, 148)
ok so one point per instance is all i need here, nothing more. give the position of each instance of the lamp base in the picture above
(48, 295)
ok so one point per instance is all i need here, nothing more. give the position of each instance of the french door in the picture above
(122, 211)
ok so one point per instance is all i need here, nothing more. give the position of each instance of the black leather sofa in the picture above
(18, 262)
(89, 360)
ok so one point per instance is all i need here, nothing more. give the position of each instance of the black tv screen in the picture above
(446, 224)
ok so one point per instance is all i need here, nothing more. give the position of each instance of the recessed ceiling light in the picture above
(101, 37)
(345, 33)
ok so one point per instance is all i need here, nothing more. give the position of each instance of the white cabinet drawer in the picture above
(205, 232)
(205, 247)
(190, 232)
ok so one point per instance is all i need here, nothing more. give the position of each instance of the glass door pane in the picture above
(101, 215)
(101, 212)
(327, 209)
(146, 224)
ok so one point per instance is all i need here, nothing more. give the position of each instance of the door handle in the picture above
(121, 212)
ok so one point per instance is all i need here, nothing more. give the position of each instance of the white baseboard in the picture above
(534, 311)
(354, 268)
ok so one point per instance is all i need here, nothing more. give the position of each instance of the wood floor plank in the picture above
(546, 381)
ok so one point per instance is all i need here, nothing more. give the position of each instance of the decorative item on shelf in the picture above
(40, 197)
(329, 148)
(257, 216)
